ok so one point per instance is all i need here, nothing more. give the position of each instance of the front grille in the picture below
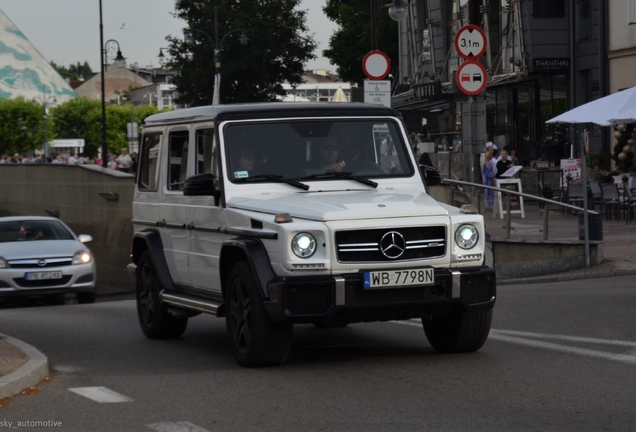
(366, 245)
(34, 263)
(476, 288)
(42, 283)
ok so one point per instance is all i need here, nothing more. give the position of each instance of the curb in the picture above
(558, 277)
(27, 375)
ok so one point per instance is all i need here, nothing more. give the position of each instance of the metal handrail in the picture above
(545, 213)
(525, 195)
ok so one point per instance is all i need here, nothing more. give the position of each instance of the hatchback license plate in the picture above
(43, 275)
(399, 278)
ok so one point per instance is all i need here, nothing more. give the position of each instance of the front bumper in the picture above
(76, 278)
(342, 298)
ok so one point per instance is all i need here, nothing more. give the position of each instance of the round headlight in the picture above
(466, 236)
(304, 245)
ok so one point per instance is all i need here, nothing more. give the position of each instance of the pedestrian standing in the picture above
(124, 161)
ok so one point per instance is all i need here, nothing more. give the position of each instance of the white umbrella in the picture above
(610, 110)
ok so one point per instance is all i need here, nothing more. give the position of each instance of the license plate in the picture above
(43, 275)
(399, 278)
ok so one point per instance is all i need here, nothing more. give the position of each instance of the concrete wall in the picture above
(526, 258)
(73, 191)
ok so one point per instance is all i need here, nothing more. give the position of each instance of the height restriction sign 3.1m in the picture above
(470, 42)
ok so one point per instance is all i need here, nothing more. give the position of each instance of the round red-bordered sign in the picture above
(471, 77)
(376, 65)
(470, 42)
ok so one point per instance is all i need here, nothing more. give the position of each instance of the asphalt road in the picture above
(560, 357)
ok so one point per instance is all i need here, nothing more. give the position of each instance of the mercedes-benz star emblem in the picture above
(41, 262)
(392, 244)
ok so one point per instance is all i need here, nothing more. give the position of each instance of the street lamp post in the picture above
(397, 12)
(45, 100)
(102, 53)
(217, 51)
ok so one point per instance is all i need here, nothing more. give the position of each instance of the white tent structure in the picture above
(25, 72)
(339, 96)
(617, 108)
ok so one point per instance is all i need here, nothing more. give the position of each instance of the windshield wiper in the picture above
(275, 178)
(343, 175)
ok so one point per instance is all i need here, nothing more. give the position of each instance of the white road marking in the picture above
(564, 348)
(176, 427)
(566, 338)
(100, 394)
(524, 338)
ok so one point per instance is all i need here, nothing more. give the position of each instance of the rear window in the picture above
(30, 230)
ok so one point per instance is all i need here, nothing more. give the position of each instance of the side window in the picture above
(207, 154)
(178, 159)
(149, 152)
(205, 151)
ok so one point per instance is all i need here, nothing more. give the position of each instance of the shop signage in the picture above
(551, 64)
(516, 201)
(428, 90)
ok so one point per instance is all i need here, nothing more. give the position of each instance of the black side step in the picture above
(191, 303)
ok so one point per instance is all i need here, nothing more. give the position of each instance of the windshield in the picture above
(305, 149)
(28, 230)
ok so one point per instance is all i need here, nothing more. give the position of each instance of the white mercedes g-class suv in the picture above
(275, 214)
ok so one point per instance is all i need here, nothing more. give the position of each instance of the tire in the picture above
(155, 321)
(254, 339)
(458, 332)
(85, 297)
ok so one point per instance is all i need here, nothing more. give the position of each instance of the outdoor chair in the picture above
(611, 199)
(575, 194)
(597, 196)
(630, 203)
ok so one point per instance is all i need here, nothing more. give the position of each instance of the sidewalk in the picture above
(619, 240)
(22, 366)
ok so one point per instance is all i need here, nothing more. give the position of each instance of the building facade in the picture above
(543, 57)
(318, 85)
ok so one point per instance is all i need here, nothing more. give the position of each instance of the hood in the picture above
(39, 249)
(342, 205)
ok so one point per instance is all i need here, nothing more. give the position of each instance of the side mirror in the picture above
(84, 238)
(431, 175)
(199, 185)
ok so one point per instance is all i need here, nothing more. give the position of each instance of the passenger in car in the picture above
(246, 159)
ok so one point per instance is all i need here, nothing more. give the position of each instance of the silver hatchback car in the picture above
(42, 256)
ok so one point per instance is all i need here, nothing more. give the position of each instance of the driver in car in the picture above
(329, 156)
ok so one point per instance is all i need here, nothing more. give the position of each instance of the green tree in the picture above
(276, 52)
(74, 71)
(82, 118)
(22, 126)
(352, 41)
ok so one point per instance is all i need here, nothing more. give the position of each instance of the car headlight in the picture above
(3, 263)
(304, 245)
(466, 236)
(82, 257)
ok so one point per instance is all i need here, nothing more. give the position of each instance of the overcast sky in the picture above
(67, 31)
